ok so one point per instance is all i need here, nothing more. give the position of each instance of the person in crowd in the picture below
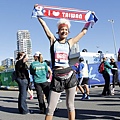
(30, 89)
(118, 57)
(64, 77)
(75, 68)
(115, 74)
(106, 76)
(39, 70)
(83, 78)
(23, 81)
(49, 74)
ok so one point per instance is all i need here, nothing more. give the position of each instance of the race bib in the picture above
(61, 56)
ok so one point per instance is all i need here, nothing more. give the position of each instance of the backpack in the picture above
(14, 76)
(101, 68)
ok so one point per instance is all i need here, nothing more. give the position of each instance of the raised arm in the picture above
(74, 40)
(47, 30)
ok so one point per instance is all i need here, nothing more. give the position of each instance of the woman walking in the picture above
(39, 70)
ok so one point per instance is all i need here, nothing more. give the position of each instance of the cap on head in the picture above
(63, 23)
(112, 58)
(81, 59)
(37, 53)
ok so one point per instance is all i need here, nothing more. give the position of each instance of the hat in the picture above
(112, 58)
(63, 22)
(76, 64)
(81, 59)
(37, 53)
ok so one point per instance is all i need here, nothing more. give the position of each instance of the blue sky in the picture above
(16, 15)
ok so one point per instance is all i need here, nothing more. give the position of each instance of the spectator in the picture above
(23, 81)
(115, 74)
(39, 70)
(30, 88)
(76, 66)
(49, 74)
(106, 76)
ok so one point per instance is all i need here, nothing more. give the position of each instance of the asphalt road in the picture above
(97, 108)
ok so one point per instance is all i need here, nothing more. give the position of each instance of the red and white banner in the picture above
(67, 13)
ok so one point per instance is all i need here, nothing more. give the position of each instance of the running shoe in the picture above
(84, 96)
(88, 97)
(31, 97)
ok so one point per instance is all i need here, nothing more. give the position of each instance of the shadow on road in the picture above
(82, 114)
(9, 110)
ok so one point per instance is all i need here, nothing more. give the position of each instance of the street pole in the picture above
(112, 21)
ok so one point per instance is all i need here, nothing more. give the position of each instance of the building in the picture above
(89, 57)
(7, 62)
(24, 41)
(15, 54)
(75, 48)
(24, 44)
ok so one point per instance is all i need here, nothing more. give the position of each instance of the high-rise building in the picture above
(24, 44)
(75, 48)
(15, 54)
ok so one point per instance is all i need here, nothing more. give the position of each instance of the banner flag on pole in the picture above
(67, 13)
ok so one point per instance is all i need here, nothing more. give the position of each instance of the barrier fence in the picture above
(6, 79)
(95, 78)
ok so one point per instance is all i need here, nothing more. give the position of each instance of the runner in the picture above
(64, 78)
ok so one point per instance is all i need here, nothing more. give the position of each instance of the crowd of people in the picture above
(113, 68)
(52, 81)
(44, 81)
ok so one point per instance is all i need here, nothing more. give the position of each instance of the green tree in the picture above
(2, 68)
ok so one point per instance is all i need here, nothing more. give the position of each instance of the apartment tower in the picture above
(24, 44)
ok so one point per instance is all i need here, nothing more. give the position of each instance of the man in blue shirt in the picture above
(83, 78)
